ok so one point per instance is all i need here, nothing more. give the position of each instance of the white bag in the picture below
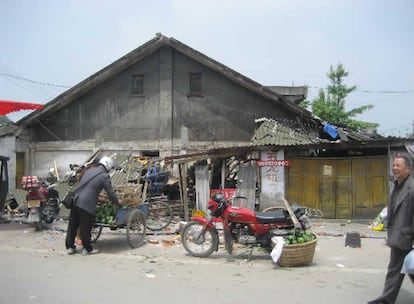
(408, 265)
(279, 242)
(383, 213)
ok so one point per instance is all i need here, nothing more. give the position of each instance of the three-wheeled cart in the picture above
(130, 218)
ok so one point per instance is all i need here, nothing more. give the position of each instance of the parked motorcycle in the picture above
(42, 202)
(241, 225)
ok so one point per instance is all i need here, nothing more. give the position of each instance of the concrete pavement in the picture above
(36, 265)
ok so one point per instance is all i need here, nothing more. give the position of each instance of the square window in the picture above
(195, 84)
(137, 87)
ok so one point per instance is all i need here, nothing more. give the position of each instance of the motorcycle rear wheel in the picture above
(198, 242)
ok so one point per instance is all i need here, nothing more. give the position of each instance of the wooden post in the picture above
(182, 169)
(223, 173)
(292, 214)
(180, 184)
(56, 169)
(144, 192)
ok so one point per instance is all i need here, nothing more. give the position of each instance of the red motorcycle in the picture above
(241, 225)
(42, 202)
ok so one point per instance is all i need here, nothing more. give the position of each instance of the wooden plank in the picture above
(202, 187)
(246, 186)
(182, 170)
(291, 213)
(343, 190)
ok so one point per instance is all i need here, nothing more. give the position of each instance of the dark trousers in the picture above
(394, 277)
(84, 220)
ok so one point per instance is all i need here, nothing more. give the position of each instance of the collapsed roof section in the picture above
(272, 132)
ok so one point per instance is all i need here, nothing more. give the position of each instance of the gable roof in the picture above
(145, 50)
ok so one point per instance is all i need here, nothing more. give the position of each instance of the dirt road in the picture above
(36, 269)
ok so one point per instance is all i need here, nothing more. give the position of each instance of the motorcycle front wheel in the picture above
(197, 241)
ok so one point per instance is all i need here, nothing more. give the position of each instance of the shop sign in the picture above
(273, 163)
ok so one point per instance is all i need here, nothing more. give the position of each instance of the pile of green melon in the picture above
(106, 213)
(299, 237)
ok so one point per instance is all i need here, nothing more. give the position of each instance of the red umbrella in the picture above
(8, 106)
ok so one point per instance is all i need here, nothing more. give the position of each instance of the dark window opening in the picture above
(195, 84)
(150, 153)
(137, 87)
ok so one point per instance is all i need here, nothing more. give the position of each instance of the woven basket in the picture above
(130, 195)
(297, 254)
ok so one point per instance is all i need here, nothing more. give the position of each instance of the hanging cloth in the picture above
(8, 106)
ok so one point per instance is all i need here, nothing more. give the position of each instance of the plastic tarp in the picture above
(330, 130)
(8, 106)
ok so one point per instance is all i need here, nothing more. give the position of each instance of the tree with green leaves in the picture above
(4, 120)
(329, 105)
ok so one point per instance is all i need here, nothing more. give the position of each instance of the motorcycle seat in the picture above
(271, 217)
(277, 216)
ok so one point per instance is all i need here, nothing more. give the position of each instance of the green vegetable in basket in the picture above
(299, 233)
(300, 239)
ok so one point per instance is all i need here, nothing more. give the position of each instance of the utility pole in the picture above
(413, 130)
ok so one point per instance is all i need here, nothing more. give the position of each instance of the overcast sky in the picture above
(57, 44)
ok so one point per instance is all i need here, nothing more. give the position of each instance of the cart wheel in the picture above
(135, 228)
(95, 233)
(159, 215)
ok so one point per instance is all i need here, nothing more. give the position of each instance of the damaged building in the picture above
(167, 100)
(163, 98)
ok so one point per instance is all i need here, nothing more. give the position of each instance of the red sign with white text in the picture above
(273, 163)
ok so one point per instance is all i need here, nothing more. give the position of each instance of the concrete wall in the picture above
(225, 112)
(44, 160)
(109, 112)
(8, 148)
(166, 117)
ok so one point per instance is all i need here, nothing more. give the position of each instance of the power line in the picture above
(312, 87)
(33, 81)
(375, 92)
(22, 86)
(388, 92)
(35, 88)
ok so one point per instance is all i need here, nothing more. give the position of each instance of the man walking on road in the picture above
(400, 228)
